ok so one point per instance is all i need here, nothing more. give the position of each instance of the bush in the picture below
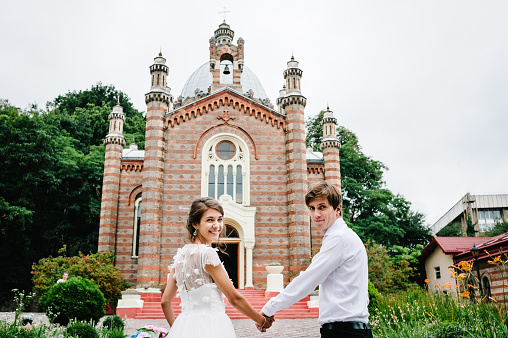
(80, 329)
(374, 297)
(113, 322)
(387, 275)
(77, 298)
(96, 267)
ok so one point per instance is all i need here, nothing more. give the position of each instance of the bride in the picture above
(202, 281)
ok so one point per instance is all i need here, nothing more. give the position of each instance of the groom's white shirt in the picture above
(341, 271)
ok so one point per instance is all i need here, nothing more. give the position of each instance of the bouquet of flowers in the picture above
(150, 331)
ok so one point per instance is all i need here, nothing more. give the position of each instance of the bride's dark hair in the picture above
(198, 208)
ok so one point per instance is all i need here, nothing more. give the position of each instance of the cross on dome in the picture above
(224, 12)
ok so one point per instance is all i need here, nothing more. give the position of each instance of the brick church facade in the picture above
(224, 139)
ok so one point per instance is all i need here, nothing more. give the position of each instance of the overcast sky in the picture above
(423, 84)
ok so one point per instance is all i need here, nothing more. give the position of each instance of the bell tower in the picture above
(292, 104)
(158, 101)
(226, 59)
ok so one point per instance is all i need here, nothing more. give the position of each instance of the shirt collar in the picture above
(335, 227)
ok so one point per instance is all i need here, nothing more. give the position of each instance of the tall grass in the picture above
(417, 313)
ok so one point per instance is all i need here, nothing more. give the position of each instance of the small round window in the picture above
(225, 150)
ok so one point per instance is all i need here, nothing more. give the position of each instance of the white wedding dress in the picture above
(202, 303)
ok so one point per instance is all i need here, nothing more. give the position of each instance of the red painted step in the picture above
(152, 306)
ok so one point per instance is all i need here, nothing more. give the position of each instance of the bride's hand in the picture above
(266, 324)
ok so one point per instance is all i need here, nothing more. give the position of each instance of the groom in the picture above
(340, 269)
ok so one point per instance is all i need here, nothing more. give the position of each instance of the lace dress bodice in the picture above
(197, 290)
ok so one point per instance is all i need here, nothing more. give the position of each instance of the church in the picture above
(223, 138)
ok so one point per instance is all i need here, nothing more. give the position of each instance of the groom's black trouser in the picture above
(346, 330)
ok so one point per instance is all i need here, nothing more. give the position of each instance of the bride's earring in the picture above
(195, 233)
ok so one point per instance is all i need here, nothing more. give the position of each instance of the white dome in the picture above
(202, 79)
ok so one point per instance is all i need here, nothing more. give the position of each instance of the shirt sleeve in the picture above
(327, 260)
(210, 257)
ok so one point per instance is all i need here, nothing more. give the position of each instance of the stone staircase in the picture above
(152, 306)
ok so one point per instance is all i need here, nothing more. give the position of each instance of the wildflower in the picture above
(447, 285)
(426, 280)
(496, 259)
(465, 294)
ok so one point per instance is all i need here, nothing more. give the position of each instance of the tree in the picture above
(51, 177)
(84, 114)
(498, 229)
(372, 210)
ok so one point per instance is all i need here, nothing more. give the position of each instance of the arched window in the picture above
(136, 229)
(486, 288)
(225, 168)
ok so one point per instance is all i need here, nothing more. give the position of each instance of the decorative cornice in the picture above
(114, 139)
(329, 120)
(330, 144)
(315, 168)
(132, 167)
(161, 96)
(224, 99)
(285, 101)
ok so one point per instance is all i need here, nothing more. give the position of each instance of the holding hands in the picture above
(266, 323)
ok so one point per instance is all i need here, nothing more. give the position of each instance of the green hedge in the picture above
(76, 299)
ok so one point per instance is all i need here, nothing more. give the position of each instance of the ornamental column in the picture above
(249, 245)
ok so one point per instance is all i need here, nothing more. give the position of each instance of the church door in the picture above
(231, 247)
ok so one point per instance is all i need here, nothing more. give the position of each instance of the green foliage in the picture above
(418, 313)
(373, 211)
(81, 329)
(96, 267)
(451, 230)
(84, 114)
(498, 229)
(386, 275)
(10, 330)
(113, 322)
(51, 177)
(399, 254)
(374, 297)
(76, 299)
(449, 330)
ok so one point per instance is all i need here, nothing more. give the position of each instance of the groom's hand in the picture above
(267, 323)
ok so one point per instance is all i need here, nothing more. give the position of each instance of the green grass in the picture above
(416, 313)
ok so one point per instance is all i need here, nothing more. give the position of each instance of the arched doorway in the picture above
(231, 257)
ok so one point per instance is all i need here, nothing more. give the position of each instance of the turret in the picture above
(330, 147)
(114, 142)
(292, 104)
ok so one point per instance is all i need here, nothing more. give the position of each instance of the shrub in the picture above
(77, 298)
(449, 330)
(386, 275)
(96, 267)
(374, 297)
(113, 322)
(80, 329)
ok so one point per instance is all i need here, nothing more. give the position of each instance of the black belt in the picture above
(346, 326)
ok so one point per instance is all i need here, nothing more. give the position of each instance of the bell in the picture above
(226, 70)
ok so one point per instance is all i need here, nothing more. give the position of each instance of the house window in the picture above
(437, 271)
(488, 218)
(225, 168)
(136, 229)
